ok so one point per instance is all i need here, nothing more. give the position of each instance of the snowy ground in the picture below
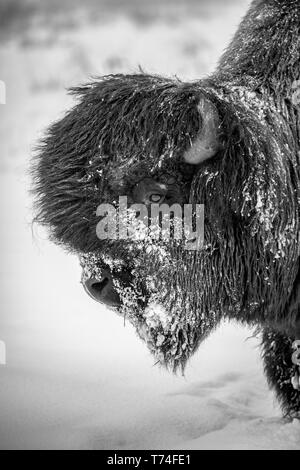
(75, 377)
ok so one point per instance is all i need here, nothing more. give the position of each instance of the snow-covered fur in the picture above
(126, 127)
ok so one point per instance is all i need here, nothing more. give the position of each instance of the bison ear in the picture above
(207, 143)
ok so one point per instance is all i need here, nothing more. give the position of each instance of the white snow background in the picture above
(76, 378)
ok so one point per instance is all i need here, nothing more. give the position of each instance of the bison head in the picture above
(164, 141)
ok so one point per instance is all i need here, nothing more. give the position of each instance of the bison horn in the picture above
(206, 145)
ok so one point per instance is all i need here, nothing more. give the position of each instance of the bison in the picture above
(229, 142)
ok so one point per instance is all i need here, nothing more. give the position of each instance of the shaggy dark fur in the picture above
(125, 128)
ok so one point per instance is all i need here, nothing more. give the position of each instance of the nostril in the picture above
(98, 286)
(102, 290)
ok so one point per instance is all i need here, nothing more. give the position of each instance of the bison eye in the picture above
(149, 190)
(156, 198)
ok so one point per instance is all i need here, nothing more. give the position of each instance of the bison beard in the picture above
(230, 142)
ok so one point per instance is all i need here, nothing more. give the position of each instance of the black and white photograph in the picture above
(150, 227)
